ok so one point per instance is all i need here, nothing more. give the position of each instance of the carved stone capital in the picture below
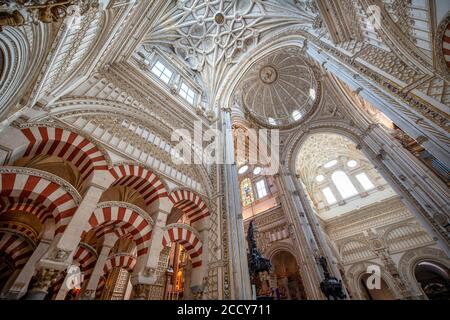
(44, 278)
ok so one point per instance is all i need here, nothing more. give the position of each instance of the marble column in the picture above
(71, 237)
(146, 270)
(91, 288)
(317, 233)
(424, 194)
(303, 236)
(237, 241)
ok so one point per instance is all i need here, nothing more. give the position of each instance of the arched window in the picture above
(331, 199)
(247, 192)
(343, 184)
(365, 181)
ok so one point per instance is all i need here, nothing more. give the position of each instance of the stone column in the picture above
(146, 270)
(66, 245)
(91, 287)
(58, 256)
(17, 286)
(425, 195)
(317, 233)
(302, 234)
(238, 253)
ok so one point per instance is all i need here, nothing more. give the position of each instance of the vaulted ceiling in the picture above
(211, 36)
(320, 148)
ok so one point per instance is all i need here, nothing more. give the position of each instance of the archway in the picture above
(64, 144)
(286, 277)
(147, 184)
(382, 293)
(184, 271)
(434, 279)
(345, 188)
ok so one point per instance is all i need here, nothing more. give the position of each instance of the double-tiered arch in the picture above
(188, 237)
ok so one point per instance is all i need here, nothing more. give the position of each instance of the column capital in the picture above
(55, 259)
(44, 279)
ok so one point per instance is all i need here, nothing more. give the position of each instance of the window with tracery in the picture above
(247, 195)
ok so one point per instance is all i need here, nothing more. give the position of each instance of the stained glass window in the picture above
(247, 192)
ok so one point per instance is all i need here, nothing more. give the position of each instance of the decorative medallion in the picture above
(268, 74)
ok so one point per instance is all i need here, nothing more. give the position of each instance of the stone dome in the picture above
(280, 89)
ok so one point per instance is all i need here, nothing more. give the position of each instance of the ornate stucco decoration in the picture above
(18, 13)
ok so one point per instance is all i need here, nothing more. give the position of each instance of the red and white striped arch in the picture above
(141, 179)
(126, 261)
(26, 231)
(26, 206)
(188, 239)
(16, 247)
(446, 45)
(86, 259)
(190, 203)
(67, 145)
(33, 193)
(126, 221)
